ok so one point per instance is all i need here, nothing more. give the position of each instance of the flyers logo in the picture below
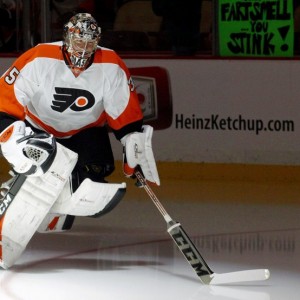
(75, 99)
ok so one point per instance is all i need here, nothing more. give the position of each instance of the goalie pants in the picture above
(95, 156)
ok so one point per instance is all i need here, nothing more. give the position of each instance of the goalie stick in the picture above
(193, 256)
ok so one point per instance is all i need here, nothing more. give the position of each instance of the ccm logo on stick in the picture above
(185, 247)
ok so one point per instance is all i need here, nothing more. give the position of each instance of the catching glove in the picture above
(137, 151)
(29, 153)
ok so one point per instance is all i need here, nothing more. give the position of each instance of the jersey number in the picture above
(12, 75)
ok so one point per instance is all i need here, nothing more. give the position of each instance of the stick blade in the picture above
(236, 277)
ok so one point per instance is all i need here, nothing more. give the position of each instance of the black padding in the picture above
(92, 146)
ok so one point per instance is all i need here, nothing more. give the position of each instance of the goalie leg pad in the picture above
(112, 203)
(91, 198)
(56, 223)
(31, 204)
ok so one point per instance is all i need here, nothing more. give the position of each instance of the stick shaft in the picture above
(152, 196)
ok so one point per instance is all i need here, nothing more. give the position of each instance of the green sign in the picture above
(261, 28)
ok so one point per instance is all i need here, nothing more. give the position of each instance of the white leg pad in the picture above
(31, 204)
(89, 199)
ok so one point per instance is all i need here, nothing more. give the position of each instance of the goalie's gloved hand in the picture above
(29, 153)
(137, 151)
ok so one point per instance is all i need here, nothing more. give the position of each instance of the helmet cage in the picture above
(81, 37)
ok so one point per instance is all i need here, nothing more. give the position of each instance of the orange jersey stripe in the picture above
(8, 102)
(131, 114)
(49, 129)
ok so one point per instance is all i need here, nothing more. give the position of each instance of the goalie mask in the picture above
(81, 37)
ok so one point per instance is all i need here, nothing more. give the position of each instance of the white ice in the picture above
(128, 255)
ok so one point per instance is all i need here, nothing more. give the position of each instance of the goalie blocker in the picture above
(41, 203)
(137, 152)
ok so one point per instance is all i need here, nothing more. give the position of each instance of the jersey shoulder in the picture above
(51, 50)
(106, 55)
(110, 57)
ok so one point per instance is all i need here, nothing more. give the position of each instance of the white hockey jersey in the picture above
(41, 88)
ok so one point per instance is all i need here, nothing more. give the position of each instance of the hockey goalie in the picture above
(57, 102)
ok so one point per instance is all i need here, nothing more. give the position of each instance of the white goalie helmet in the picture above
(81, 36)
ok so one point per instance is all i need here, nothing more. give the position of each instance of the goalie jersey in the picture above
(41, 88)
